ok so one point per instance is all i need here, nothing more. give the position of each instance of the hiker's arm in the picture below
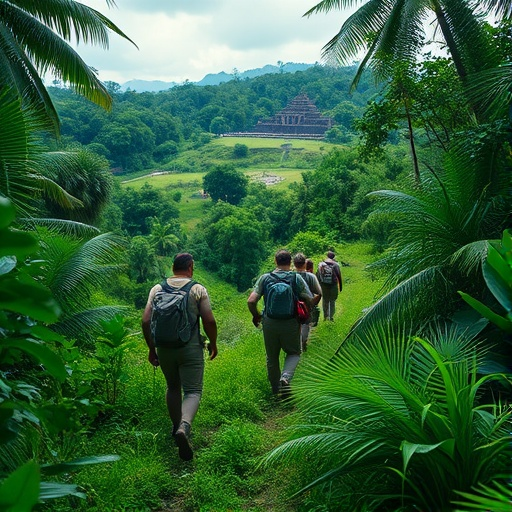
(210, 328)
(146, 331)
(338, 273)
(316, 290)
(304, 292)
(252, 304)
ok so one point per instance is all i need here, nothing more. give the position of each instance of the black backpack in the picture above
(171, 325)
(280, 296)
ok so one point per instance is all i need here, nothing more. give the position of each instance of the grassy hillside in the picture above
(238, 421)
(267, 161)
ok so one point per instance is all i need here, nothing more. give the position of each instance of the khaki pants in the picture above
(183, 368)
(281, 335)
(329, 296)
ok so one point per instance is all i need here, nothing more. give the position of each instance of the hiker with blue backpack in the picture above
(280, 289)
(171, 328)
(329, 276)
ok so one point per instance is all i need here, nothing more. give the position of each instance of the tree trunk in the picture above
(450, 41)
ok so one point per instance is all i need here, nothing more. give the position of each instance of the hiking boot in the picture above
(286, 391)
(182, 438)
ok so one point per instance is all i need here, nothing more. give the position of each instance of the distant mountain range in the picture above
(213, 79)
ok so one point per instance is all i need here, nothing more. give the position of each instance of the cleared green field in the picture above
(191, 183)
(188, 180)
(255, 143)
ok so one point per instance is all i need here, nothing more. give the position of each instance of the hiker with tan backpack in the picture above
(329, 276)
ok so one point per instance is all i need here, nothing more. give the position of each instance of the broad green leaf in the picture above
(52, 490)
(49, 359)
(28, 298)
(16, 243)
(7, 263)
(496, 319)
(44, 333)
(73, 465)
(499, 285)
(506, 240)
(409, 449)
(20, 490)
(7, 212)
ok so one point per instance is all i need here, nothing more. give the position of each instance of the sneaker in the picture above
(182, 439)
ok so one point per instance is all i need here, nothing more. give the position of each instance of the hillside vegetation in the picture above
(401, 404)
(238, 421)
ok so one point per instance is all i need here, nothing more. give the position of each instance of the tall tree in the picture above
(394, 31)
(34, 40)
(225, 183)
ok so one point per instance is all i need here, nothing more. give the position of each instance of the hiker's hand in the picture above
(256, 320)
(212, 351)
(153, 358)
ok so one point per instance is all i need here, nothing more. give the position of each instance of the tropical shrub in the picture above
(30, 370)
(398, 422)
(497, 271)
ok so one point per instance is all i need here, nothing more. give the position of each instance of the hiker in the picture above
(329, 275)
(281, 329)
(182, 367)
(315, 311)
(299, 262)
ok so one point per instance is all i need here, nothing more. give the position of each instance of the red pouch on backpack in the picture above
(302, 312)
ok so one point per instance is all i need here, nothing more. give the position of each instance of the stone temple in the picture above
(299, 119)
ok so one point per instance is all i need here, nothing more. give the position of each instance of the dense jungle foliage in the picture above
(154, 129)
(401, 404)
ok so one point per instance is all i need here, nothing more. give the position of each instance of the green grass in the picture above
(237, 424)
(270, 143)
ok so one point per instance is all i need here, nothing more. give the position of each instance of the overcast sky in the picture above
(182, 40)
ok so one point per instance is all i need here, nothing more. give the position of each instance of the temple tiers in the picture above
(300, 118)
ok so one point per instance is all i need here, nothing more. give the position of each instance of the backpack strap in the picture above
(170, 289)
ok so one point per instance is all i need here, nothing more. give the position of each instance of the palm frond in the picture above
(491, 90)
(71, 19)
(61, 227)
(86, 325)
(49, 52)
(18, 73)
(33, 39)
(330, 5)
(410, 301)
(501, 8)
(469, 258)
(356, 32)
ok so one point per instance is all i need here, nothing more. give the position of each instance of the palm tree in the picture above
(163, 237)
(34, 39)
(440, 242)
(24, 161)
(87, 177)
(77, 265)
(394, 31)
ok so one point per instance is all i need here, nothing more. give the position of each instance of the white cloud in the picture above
(187, 39)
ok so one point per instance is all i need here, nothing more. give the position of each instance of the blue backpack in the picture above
(280, 296)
